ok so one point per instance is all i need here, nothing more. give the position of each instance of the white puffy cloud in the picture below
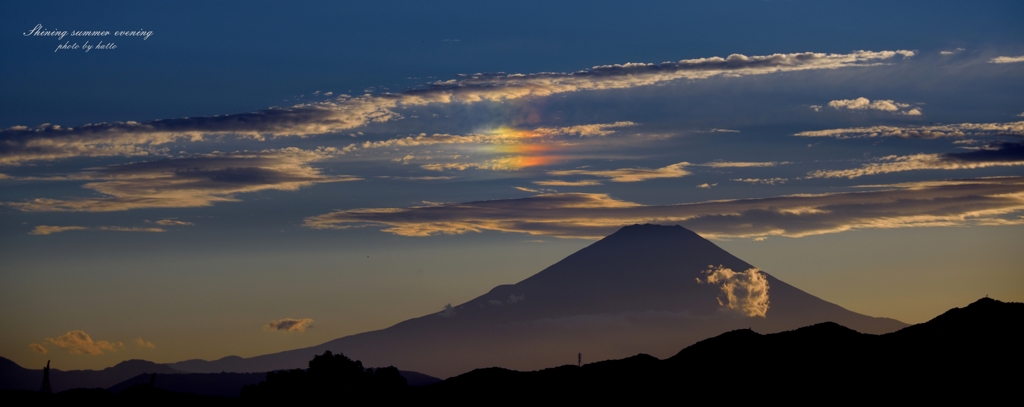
(884, 105)
(745, 292)
(80, 343)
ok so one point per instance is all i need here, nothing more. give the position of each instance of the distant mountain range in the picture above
(635, 291)
(15, 377)
(135, 372)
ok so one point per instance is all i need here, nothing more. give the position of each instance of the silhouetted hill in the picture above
(967, 354)
(15, 377)
(206, 384)
(229, 384)
(631, 292)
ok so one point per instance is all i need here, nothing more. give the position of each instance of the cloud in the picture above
(80, 343)
(172, 222)
(144, 344)
(585, 130)
(20, 144)
(923, 132)
(997, 155)
(558, 183)
(985, 201)
(706, 185)
(50, 142)
(191, 182)
(289, 325)
(745, 291)
(37, 348)
(765, 181)
(740, 164)
(631, 174)
(434, 178)
(951, 52)
(496, 136)
(642, 174)
(536, 191)
(46, 230)
(1006, 60)
(863, 103)
(130, 229)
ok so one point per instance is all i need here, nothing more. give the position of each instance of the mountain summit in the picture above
(644, 289)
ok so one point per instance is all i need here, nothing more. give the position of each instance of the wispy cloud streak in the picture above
(923, 132)
(631, 174)
(939, 203)
(21, 144)
(191, 182)
(999, 155)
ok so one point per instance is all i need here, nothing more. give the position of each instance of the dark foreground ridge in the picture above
(970, 353)
(965, 354)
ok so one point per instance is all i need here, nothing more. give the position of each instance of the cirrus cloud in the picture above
(20, 144)
(985, 201)
(49, 230)
(923, 132)
(190, 182)
(997, 155)
(631, 174)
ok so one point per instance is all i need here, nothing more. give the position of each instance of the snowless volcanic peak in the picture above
(644, 289)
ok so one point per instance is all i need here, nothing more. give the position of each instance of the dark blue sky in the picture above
(220, 186)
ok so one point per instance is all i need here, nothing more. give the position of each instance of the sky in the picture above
(185, 180)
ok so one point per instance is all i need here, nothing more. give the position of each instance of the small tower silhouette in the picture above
(46, 379)
(579, 359)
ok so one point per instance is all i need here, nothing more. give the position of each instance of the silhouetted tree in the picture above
(329, 375)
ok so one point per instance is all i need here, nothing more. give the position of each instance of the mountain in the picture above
(967, 354)
(644, 288)
(15, 377)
